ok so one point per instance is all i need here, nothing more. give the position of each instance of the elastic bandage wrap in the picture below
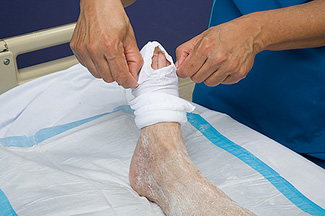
(156, 98)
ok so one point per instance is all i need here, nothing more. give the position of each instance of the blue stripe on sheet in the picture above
(206, 129)
(5, 207)
(43, 134)
(287, 189)
(46, 133)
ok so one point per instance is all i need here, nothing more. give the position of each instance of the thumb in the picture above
(134, 59)
(181, 53)
(135, 62)
(185, 49)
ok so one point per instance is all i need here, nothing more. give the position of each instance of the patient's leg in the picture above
(162, 171)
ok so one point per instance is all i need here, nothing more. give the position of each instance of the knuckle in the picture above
(221, 56)
(96, 75)
(242, 73)
(78, 48)
(180, 49)
(206, 42)
(231, 80)
(141, 61)
(196, 79)
(91, 47)
(185, 73)
(218, 58)
(72, 45)
(112, 47)
(110, 42)
(205, 46)
(107, 79)
(216, 61)
(209, 82)
(81, 51)
(230, 67)
(237, 77)
(121, 78)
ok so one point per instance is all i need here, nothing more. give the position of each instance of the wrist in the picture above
(268, 36)
(255, 31)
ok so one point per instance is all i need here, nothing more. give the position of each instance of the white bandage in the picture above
(156, 97)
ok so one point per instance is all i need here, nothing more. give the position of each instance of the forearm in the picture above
(125, 3)
(300, 26)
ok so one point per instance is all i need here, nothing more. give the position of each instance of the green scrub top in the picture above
(283, 96)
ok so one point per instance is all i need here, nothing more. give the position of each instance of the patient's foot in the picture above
(162, 171)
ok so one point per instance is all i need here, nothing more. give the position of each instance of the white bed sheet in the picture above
(72, 95)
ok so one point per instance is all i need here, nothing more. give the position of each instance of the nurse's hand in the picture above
(221, 54)
(104, 42)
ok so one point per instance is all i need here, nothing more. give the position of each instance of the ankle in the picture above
(166, 136)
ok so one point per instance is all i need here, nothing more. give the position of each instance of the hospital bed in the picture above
(66, 140)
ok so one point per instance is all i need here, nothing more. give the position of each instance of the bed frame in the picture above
(10, 48)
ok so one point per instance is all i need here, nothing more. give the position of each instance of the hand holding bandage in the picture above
(103, 41)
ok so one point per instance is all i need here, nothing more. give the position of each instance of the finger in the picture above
(132, 54)
(154, 63)
(90, 65)
(73, 44)
(86, 61)
(102, 68)
(194, 61)
(134, 62)
(120, 71)
(162, 61)
(181, 54)
(230, 80)
(235, 77)
(73, 40)
(79, 50)
(100, 62)
(216, 78)
(185, 49)
(239, 72)
(205, 71)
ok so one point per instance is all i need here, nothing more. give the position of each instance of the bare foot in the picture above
(162, 171)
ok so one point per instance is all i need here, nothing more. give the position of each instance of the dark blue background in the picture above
(171, 22)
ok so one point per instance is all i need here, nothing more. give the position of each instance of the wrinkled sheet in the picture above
(66, 141)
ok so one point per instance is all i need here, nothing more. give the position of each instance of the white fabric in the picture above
(55, 99)
(161, 80)
(83, 171)
(156, 97)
